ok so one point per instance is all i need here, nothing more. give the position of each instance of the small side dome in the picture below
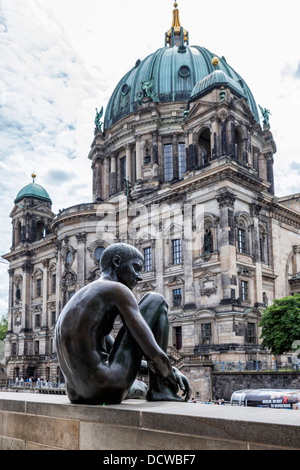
(33, 190)
(216, 79)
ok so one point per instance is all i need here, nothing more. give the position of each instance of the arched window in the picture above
(68, 257)
(40, 230)
(243, 233)
(18, 232)
(204, 147)
(98, 253)
(238, 146)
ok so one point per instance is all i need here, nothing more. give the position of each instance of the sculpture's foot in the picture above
(163, 395)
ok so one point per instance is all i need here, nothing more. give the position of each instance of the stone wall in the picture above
(44, 422)
(225, 383)
(200, 379)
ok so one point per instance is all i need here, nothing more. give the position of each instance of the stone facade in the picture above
(189, 183)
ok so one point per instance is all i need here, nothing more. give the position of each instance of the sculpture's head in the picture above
(126, 262)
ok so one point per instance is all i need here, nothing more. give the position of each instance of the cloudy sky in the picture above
(60, 59)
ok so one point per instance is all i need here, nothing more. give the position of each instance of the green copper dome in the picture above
(217, 78)
(172, 73)
(33, 190)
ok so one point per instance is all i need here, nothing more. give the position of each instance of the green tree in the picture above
(280, 324)
(3, 326)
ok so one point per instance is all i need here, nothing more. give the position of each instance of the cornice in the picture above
(80, 210)
(29, 249)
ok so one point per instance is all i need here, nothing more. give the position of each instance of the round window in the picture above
(125, 89)
(184, 71)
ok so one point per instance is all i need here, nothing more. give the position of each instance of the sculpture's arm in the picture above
(157, 360)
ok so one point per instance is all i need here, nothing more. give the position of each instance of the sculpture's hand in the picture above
(161, 365)
(183, 383)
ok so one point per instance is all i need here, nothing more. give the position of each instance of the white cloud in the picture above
(60, 60)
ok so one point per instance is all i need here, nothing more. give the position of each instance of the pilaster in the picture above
(113, 175)
(226, 200)
(138, 152)
(81, 248)
(26, 301)
(255, 211)
(45, 263)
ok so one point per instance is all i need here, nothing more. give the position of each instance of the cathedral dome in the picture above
(33, 190)
(217, 78)
(172, 73)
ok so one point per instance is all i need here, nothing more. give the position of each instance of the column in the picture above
(113, 175)
(27, 270)
(128, 162)
(226, 200)
(11, 273)
(214, 138)
(195, 151)
(81, 241)
(45, 292)
(14, 235)
(224, 136)
(97, 180)
(58, 279)
(231, 132)
(249, 153)
(255, 160)
(262, 167)
(138, 159)
(175, 157)
(189, 295)
(270, 173)
(154, 149)
(160, 158)
(159, 261)
(105, 179)
(255, 210)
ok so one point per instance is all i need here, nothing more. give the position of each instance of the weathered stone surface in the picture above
(136, 424)
(44, 430)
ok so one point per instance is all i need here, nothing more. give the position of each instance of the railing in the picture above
(257, 366)
(40, 386)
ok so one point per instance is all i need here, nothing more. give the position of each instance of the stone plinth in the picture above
(36, 421)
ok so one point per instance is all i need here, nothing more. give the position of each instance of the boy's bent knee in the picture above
(153, 298)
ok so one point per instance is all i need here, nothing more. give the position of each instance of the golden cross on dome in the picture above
(176, 36)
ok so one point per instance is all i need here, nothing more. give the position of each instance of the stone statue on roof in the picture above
(145, 92)
(98, 117)
(265, 114)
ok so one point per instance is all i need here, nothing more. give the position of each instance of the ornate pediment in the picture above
(146, 287)
(246, 272)
(69, 278)
(175, 281)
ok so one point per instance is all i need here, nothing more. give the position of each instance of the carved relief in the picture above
(226, 199)
(208, 283)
